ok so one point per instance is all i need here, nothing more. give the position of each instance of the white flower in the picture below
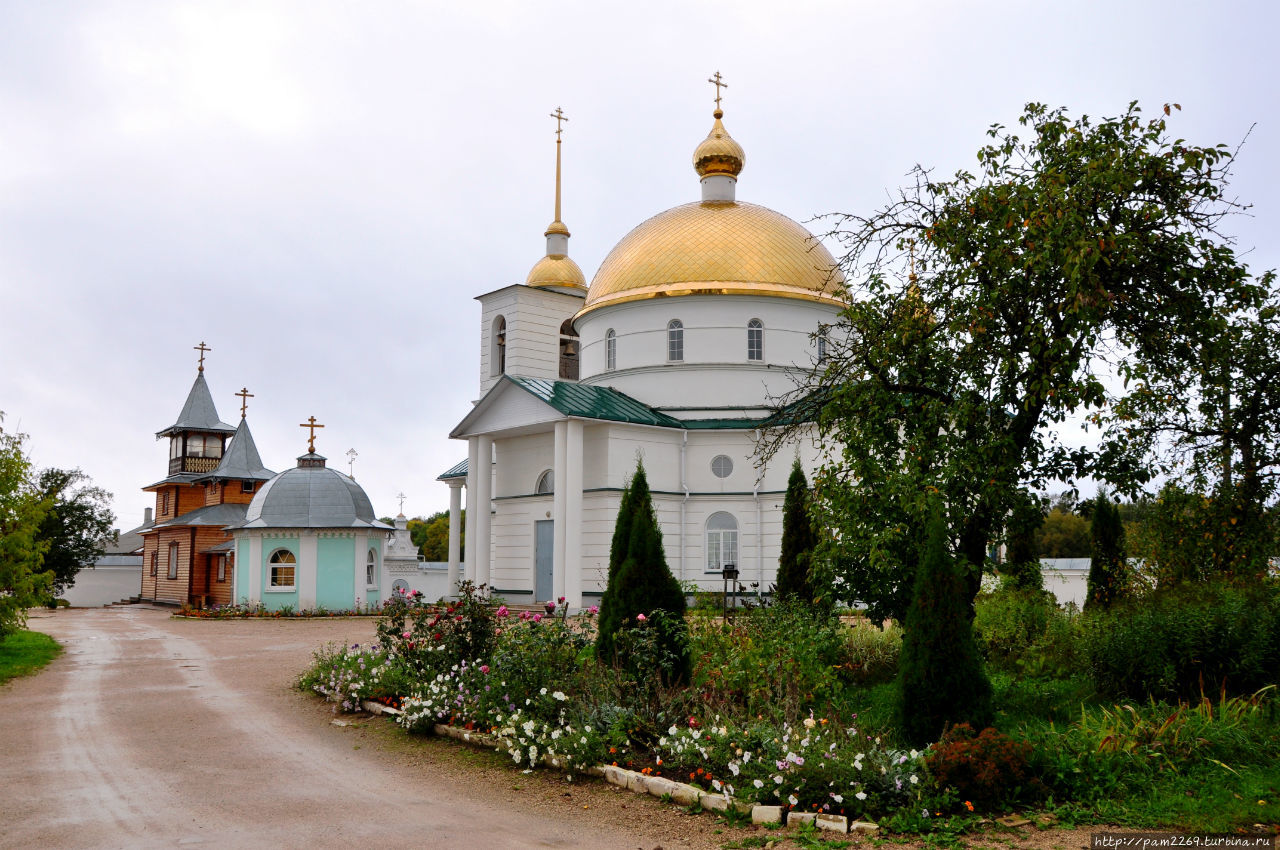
(915, 754)
(791, 798)
(673, 730)
(777, 780)
(543, 692)
(559, 695)
(758, 783)
(696, 733)
(861, 795)
(809, 722)
(914, 779)
(715, 783)
(746, 757)
(733, 768)
(838, 798)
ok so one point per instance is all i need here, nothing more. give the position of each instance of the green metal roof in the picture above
(592, 402)
(458, 470)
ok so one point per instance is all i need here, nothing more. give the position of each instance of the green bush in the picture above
(1023, 630)
(1185, 640)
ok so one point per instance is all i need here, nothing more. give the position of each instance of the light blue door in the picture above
(544, 542)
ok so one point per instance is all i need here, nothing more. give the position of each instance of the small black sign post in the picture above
(730, 575)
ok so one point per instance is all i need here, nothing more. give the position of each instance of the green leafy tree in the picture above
(431, 535)
(1108, 569)
(22, 508)
(1081, 238)
(1022, 564)
(77, 526)
(642, 586)
(798, 539)
(1064, 534)
(941, 681)
(1193, 537)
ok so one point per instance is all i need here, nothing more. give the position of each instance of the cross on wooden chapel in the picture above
(202, 348)
(311, 437)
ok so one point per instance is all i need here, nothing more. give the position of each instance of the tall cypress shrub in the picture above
(643, 584)
(1023, 563)
(941, 681)
(798, 540)
(1107, 569)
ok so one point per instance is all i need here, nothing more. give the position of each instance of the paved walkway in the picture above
(152, 732)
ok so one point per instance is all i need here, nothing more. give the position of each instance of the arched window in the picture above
(722, 541)
(675, 340)
(755, 340)
(498, 356)
(610, 350)
(371, 570)
(546, 483)
(283, 569)
(568, 351)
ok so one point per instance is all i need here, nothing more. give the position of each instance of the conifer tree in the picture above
(642, 584)
(1022, 566)
(940, 677)
(798, 540)
(1107, 567)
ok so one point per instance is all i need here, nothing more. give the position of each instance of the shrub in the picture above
(642, 586)
(1179, 641)
(1022, 630)
(798, 540)
(940, 677)
(1107, 567)
(990, 770)
(432, 638)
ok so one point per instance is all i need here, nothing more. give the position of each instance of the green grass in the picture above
(23, 653)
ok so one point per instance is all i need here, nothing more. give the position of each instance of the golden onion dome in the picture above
(719, 153)
(717, 248)
(556, 270)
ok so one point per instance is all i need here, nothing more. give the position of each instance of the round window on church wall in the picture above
(721, 466)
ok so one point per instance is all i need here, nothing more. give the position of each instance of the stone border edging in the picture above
(659, 786)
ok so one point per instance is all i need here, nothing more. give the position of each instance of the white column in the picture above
(455, 534)
(308, 566)
(359, 589)
(573, 514)
(253, 569)
(473, 487)
(559, 526)
(480, 548)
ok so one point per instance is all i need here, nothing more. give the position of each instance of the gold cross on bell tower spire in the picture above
(559, 116)
(244, 395)
(202, 348)
(311, 437)
(719, 83)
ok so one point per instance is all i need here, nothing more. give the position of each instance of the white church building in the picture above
(691, 327)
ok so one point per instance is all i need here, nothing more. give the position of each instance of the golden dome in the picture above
(717, 248)
(719, 153)
(557, 226)
(556, 270)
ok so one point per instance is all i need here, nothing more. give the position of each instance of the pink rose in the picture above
(484, 668)
(641, 617)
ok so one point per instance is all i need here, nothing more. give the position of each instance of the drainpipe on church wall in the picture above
(759, 537)
(684, 485)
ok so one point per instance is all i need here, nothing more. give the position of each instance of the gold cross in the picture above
(559, 116)
(311, 438)
(719, 84)
(911, 249)
(245, 395)
(202, 348)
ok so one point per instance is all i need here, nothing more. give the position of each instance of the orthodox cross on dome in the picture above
(911, 259)
(401, 497)
(202, 348)
(244, 395)
(311, 437)
(559, 116)
(719, 83)
(352, 454)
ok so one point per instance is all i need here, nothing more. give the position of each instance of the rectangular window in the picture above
(222, 568)
(282, 577)
(722, 549)
(246, 486)
(155, 563)
(173, 561)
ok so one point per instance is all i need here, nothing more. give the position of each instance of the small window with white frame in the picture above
(755, 340)
(675, 341)
(722, 541)
(610, 350)
(173, 561)
(371, 570)
(284, 568)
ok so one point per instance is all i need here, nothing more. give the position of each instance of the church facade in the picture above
(694, 324)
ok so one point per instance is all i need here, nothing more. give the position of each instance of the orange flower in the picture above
(968, 805)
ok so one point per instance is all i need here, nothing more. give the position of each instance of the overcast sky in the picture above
(319, 190)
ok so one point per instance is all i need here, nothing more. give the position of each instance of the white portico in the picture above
(694, 323)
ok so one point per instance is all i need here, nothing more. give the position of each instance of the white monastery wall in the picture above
(520, 461)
